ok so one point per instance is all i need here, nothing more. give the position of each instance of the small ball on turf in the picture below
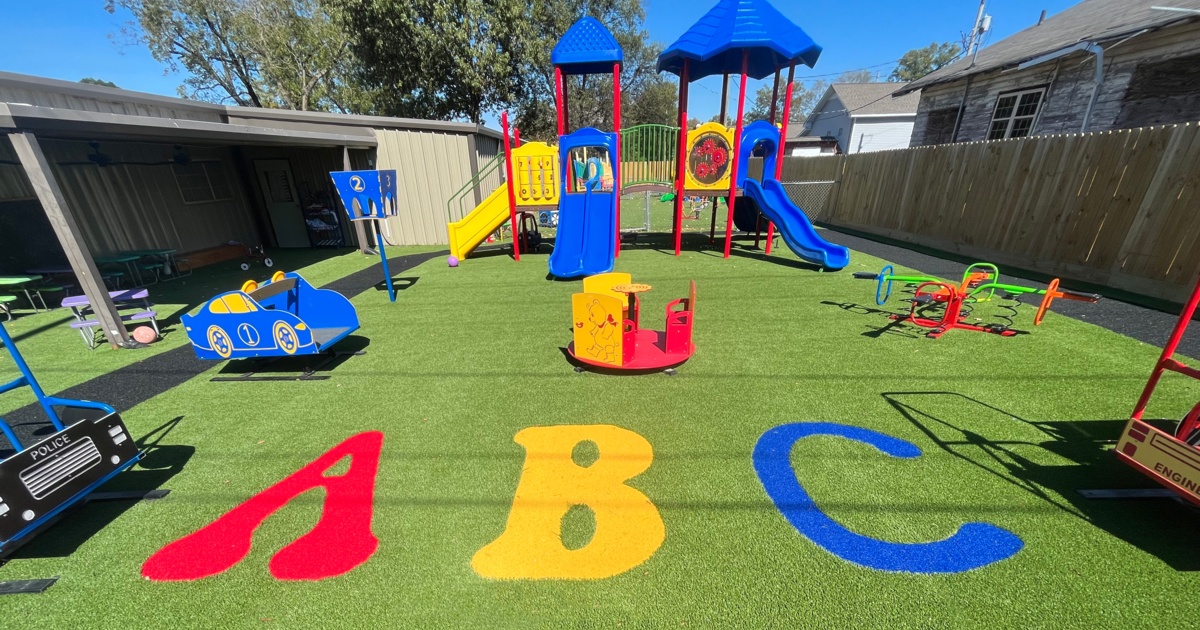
(144, 334)
(452, 261)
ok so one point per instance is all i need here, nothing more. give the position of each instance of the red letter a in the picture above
(339, 542)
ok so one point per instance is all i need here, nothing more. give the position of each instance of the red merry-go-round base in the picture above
(650, 354)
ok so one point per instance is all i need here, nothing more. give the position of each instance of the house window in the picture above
(1015, 113)
(202, 182)
(939, 126)
(1162, 92)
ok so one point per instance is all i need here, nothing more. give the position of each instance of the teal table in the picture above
(167, 256)
(19, 281)
(123, 259)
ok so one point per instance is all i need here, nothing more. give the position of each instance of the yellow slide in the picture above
(487, 217)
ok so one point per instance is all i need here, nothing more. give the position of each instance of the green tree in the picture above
(855, 76)
(804, 98)
(590, 103)
(91, 81)
(439, 59)
(919, 62)
(653, 101)
(259, 53)
(302, 55)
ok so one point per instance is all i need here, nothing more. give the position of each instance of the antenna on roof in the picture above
(1043, 18)
(982, 23)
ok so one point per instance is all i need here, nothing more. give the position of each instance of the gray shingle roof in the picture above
(1090, 20)
(874, 99)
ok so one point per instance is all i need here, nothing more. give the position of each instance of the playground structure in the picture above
(939, 305)
(1171, 459)
(284, 316)
(89, 446)
(586, 175)
(607, 328)
(370, 196)
(580, 178)
(752, 38)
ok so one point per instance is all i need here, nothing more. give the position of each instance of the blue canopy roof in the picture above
(587, 48)
(715, 43)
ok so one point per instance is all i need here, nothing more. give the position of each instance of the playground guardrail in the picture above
(459, 195)
(648, 154)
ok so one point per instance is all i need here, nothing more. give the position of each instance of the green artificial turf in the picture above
(61, 359)
(1009, 428)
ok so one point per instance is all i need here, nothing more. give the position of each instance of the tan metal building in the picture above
(89, 170)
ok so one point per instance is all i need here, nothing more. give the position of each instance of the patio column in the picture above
(66, 227)
(364, 246)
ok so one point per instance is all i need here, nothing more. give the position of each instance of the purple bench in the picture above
(127, 298)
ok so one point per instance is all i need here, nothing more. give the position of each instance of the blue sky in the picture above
(72, 39)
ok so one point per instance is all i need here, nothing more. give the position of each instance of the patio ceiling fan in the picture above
(97, 158)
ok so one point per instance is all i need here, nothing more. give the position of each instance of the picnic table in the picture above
(64, 271)
(126, 259)
(162, 262)
(86, 323)
(21, 282)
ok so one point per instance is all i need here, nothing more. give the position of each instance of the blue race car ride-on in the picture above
(283, 317)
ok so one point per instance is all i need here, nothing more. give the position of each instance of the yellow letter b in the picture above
(628, 527)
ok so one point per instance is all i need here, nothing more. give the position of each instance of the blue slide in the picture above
(794, 227)
(586, 241)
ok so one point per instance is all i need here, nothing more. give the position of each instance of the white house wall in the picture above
(806, 152)
(880, 134)
(833, 121)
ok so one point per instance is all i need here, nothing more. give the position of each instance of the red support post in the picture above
(783, 131)
(1165, 362)
(516, 137)
(512, 185)
(617, 158)
(560, 103)
(737, 147)
(681, 161)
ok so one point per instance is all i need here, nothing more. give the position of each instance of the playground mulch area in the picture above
(1008, 430)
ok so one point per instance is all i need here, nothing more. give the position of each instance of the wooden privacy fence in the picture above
(1117, 208)
(660, 172)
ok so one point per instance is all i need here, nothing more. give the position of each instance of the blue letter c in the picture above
(974, 545)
